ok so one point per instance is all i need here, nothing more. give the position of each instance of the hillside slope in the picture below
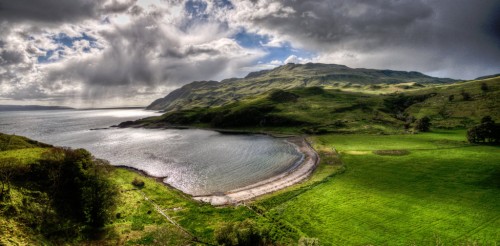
(212, 93)
(319, 110)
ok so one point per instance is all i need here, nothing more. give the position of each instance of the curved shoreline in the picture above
(278, 182)
(292, 176)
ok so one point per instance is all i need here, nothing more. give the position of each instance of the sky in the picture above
(105, 53)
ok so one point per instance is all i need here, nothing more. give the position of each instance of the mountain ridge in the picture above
(213, 93)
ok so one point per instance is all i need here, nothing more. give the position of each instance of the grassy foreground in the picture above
(441, 192)
(438, 191)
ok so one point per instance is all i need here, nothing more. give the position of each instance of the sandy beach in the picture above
(291, 177)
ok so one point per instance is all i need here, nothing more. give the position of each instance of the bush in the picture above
(315, 90)
(78, 185)
(281, 96)
(241, 233)
(484, 87)
(138, 183)
(398, 103)
(487, 120)
(465, 96)
(306, 241)
(486, 132)
(423, 124)
(8, 168)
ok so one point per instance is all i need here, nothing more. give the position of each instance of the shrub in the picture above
(451, 98)
(484, 87)
(79, 186)
(307, 241)
(138, 183)
(281, 96)
(241, 233)
(8, 167)
(486, 132)
(465, 96)
(398, 103)
(314, 90)
(423, 124)
(487, 119)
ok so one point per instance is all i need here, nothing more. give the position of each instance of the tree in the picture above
(240, 233)
(465, 95)
(7, 170)
(98, 197)
(80, 186)
(484, 87)
(487, 120)
(486, 132)
(423, 124)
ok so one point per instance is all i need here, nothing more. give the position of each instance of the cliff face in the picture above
(212, 93)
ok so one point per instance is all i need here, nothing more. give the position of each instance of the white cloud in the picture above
(134, 56)
(138, 50)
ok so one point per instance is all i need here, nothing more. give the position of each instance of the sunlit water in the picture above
(198, 162)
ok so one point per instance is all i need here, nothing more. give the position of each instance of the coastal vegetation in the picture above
(405, 159)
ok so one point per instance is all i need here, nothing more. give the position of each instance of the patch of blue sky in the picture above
(196, 9)
(224, 4)
(63, 40)
(199, 7)
(273, 53)
(197, 12)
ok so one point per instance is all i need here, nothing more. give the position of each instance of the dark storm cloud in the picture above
(8, 57)
(459, 38)
(56, 11)
(336, 22)
(145, 53)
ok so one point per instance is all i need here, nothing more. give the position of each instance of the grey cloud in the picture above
(57, 11)
(136, 59)
(136, 10)
(458, 38)
(146, 55)
(10, 57)
(118, 7)
(48, 10)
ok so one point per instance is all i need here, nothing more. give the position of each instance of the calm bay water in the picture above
(198, 162)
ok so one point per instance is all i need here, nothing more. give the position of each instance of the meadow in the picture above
(442, 191)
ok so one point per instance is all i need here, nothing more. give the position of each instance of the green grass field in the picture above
(445, 192)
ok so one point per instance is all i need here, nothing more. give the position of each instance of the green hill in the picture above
(325, 109)
(212, 93)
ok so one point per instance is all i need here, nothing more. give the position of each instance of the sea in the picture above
(197, 162)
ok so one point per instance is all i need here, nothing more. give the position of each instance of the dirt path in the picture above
(281, 181)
